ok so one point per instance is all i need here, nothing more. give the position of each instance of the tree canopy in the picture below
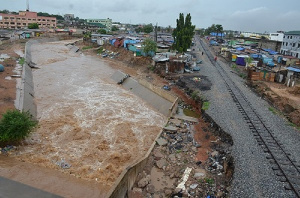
(217, 28)
(149, 46)
(102, 31)
(183, 33)
(33, 26)
(114, 28)
(147, 28)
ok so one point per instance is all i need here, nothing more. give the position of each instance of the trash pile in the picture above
(7, 150)
(110, 54)
(173, 170)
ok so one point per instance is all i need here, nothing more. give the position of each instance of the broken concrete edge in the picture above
(159, 91)
(174, 107)
(128, 177)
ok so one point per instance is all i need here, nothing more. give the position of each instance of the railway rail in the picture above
(286, 169)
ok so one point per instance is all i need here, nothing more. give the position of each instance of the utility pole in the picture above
(155, 33)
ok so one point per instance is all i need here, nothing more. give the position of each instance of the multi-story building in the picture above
(107, 22)
(291, 44)
(276, 36)
(11, 21)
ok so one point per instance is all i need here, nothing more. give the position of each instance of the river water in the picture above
(85, 118)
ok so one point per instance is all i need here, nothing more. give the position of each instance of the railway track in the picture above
(286, 169)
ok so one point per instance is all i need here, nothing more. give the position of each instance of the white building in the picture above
(291, 44)
(276, 36)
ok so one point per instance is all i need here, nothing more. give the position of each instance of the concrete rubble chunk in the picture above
(144, 182)
(172, 157)
(168, 192)
(193, 186)
(214, 154)
(171, 129)
(161, 142)
(158, 154)
(177, 122)
(135, 193)
(200, 174)
(161, 163)
(150, 189)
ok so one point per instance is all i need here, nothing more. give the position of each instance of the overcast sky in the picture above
(242, 15)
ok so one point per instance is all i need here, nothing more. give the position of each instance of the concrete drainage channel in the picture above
(25, 90)
(169, 168)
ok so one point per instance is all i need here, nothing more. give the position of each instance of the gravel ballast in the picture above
(253, 176)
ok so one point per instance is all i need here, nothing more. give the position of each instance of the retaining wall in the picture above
(128, 177)
(25, 97)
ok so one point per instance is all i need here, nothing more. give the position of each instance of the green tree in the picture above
(102, 31)
(219, 29)
(33, 26)
(138, 29)
(149, 46)
(4, 11)
(15, 126)
(114, 28)
(148, 28)
(211, 29)
(183, 33)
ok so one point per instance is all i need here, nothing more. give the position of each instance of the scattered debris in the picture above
(63, 164)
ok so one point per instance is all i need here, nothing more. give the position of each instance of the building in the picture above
(276, 36)
(11, 21)
(107, 22)
(69, 17)
(291, 44)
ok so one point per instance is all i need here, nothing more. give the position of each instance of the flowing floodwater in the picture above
(86, 119)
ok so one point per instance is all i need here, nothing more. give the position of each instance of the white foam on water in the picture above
(84, 117)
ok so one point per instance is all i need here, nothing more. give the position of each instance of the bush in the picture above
(15, 126)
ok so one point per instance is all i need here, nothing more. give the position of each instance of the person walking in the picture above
(216, 58)
(202, 53)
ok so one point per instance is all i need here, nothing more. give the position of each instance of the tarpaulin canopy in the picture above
(240, 48)
(293, 69)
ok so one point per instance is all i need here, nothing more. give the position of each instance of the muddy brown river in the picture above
(85, 119)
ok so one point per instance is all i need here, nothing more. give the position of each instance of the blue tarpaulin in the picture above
(215, 34)
(272, 52)
(293, 69)
(240, 48)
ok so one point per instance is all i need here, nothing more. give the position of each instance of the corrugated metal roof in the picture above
(292, 33)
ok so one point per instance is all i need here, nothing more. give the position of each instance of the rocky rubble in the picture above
(174, 171)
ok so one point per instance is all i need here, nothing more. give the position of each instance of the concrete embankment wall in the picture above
(25, 97)
(128, 177)
(160, 100)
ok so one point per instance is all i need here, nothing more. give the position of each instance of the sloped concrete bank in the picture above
(25, 93)
(160, 100)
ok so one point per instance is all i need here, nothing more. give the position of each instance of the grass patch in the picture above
(178, 151)
(87, 47)
(191, 113)
(294, 125)
(205, 106)
(273, 110)
(22, 61)
(100, 50)
(209, 181)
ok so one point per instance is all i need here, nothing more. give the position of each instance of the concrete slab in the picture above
(171, 128)
(10, 188)
(159, 103)
(186, 118)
